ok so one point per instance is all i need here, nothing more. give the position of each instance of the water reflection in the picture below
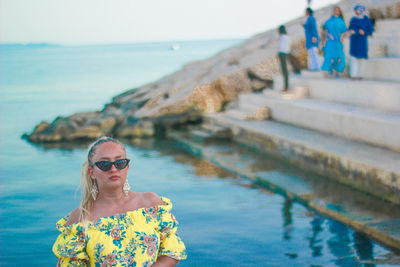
(364, 248)
(287, 219)
(316, 244)
(340, 244)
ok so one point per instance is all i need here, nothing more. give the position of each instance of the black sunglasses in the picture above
(107, 165)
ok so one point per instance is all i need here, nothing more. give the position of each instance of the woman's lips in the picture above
(114, 177)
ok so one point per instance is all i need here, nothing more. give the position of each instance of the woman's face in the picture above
(113, 178)
(337, 12)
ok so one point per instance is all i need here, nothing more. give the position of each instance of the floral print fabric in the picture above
(135, 238)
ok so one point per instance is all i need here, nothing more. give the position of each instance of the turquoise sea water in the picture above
(224, 221)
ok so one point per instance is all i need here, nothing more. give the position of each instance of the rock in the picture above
(125, 96)
(257, 85)
(210, 98)
(79, 120)
(88, 132)
(206, 99)
(111, 110)
(107, 124)
(41, 127)
(56, 131)
(298, 57)
(135, 128)
(86, 125)
(176, 120)
(266, 70)
(232, 84)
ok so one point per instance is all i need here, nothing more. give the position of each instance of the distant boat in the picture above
(174, 47)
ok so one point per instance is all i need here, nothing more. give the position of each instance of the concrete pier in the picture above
(345, 131)
(375, 217)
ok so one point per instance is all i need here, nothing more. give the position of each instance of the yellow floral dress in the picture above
(135, 238)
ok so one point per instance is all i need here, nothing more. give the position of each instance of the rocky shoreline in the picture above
(201, 87)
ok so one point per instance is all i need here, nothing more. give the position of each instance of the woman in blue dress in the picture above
(334, 31)
(360, 27)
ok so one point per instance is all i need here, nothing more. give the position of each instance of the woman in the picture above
(334, 31)
(312, 40)
(115, 226)
(283, 51)
(360, 27)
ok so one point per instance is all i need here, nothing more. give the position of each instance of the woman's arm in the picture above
(165, 261)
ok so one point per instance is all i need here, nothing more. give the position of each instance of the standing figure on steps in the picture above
(312, 40)
(283, 51)
(334, 32)
(360, 27)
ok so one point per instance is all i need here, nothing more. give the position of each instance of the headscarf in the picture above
(361, 10)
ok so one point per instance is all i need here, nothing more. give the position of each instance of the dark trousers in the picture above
(283, 60)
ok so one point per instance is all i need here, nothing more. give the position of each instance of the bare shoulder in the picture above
(151, 199)
(74, 216)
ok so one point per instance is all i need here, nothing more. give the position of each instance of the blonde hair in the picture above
(87, 182)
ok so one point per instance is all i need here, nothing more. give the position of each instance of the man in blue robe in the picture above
(312, 40)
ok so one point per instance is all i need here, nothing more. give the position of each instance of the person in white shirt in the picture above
(283, 51)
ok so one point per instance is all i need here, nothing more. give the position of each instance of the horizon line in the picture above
(40, 43)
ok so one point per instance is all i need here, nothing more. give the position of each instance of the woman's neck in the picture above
(116, 197)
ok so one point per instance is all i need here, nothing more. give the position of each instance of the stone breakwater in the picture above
(200, 87)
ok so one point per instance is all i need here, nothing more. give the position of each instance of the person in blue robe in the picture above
(312, 40)
(335, 30)
(360, 27)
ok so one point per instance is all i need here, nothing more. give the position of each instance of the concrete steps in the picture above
(217, 131)
(383, 95)
(384, 45)
(372, 216)
(366, 111)
(369, 168)
(386, 37)
(321, 117)
(382, 69)
(238, 114)
(377, 127)
(388, 26)
(378, 69)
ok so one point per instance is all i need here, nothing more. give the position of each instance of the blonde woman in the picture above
(115, 226)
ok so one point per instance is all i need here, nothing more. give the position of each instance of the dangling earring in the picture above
(126, 187)
(94, 190)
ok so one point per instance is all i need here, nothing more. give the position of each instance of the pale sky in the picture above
(127, 21)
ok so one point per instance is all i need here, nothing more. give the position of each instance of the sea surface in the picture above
(224, 221)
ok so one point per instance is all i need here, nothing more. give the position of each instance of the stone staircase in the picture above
(372, 216)
(357, 116)
(387, 35)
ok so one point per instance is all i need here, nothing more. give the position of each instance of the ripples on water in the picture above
(225, 220)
